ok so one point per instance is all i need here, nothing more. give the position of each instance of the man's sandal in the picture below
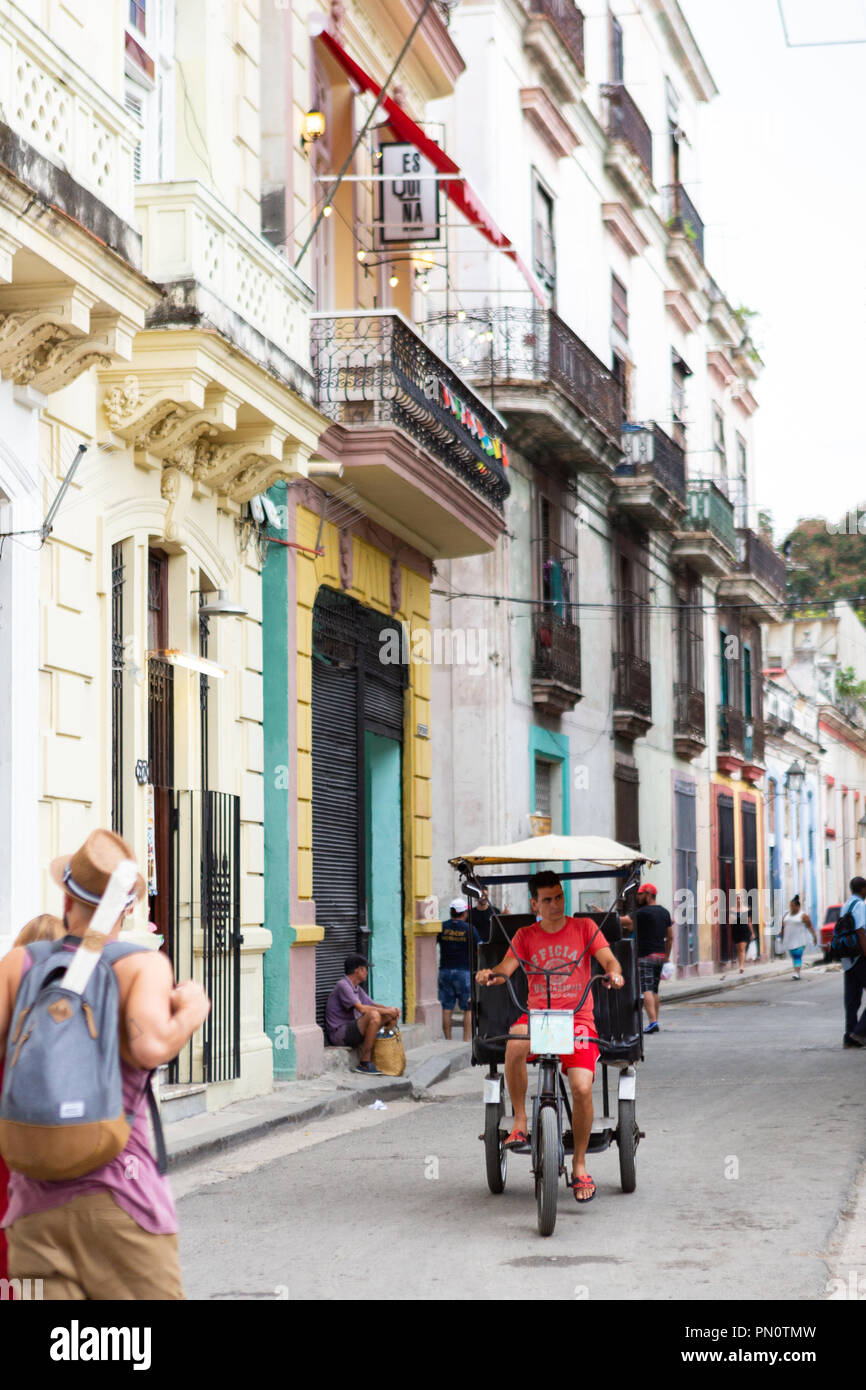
(517, 1139)
(583, 1184)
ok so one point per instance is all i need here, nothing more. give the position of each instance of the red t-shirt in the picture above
(540, 948)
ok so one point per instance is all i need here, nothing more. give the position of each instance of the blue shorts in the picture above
(797, 956)
(454, 989)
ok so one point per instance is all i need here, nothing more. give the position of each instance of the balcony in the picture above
(632, 694)
(685, 249)
(71, 140)
(707, 542)
(555, 663)
(754, 738)
(417, 444)
(651, 483)
(690, 734)
(731, 739)
(217, 271)
(759, 581)
(630, 144)
(557, 396)
(71, 293)
(554, 39)
(682, 217)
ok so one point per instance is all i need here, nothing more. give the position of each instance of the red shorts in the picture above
(585, 1053)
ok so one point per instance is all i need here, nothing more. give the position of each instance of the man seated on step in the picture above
(351, 1017)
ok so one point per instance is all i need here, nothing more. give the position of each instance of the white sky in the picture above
(783, 196)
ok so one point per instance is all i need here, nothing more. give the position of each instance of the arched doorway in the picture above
(358, 709)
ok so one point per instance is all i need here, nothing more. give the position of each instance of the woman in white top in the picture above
(795, 932)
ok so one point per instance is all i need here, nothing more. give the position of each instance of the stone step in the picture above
(181, 1101)
(345, 1058)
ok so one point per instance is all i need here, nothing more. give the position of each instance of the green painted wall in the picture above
(554, 747)
(275, 674)
(384, 841)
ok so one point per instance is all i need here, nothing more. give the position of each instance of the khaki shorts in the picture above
(92, 1249)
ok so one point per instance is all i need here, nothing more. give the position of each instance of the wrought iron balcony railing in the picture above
(682, 216)
(372, 368)
(732, 731)
(625, 122)
(523, 347)
(649, 450)
(759, 558)
(710, 510)
(754, 740)
(689, 713)
(556, 649)
(567, 20)
(632, 683)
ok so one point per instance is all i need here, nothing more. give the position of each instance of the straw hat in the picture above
(84, 875)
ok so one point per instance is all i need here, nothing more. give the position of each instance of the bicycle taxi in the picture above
(617, 1014)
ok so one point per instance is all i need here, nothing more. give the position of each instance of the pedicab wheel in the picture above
(496, 1157)
(626, 1138)
(547, 1172)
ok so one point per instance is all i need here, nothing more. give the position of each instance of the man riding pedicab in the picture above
(556, 939)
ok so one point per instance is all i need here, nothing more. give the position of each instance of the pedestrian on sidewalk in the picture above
(854, 968)
(42, 928)
(455, 989)
(795, 932)
(654, 932)
(112, 1232)
(352, 1019)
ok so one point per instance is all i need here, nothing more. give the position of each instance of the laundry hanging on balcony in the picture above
(457, 188)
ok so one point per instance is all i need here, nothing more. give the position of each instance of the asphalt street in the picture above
(755, 1121)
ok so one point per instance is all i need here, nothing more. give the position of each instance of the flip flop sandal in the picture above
(582, 1184)
(516, 1139)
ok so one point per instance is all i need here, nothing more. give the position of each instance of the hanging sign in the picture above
(409, 202)
(150, 827)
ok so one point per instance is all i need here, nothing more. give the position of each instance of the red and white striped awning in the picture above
(456, 187)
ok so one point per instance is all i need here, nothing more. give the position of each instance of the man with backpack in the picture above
(848, 945)
(84, 1022)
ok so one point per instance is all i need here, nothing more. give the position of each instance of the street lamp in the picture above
(795, 778)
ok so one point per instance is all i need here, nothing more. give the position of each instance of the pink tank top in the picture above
(131, 1178)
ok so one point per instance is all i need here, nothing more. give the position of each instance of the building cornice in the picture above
(685, 48)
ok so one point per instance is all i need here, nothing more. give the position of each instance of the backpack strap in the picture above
(117, 950)
(156, 1121)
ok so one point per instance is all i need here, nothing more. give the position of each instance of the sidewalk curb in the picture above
(227, 1132)
(710, 985)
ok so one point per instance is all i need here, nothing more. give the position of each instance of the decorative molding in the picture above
(743, 397)
(346, 554)
(623, 228)
(721, 367)
(396, 585)
(546, 119)
(49, 336)
(680, 307)
(176, 488)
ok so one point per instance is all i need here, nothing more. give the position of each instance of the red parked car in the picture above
(831, 917)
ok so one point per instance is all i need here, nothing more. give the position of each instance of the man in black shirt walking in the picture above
(454, 962)
(654, 930)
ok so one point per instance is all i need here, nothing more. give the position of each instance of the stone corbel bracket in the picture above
(248, 464)
(50, 335)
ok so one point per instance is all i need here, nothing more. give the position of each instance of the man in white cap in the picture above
(455, 990)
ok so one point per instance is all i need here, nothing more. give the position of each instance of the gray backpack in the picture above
(61, 1109)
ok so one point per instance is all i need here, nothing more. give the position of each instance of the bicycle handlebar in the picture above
(497, 975)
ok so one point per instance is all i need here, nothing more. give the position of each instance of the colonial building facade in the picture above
(623, 610)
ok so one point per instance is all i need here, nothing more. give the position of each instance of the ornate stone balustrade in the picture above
(61, 112)
(216, 269)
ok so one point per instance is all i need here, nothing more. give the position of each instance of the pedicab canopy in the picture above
(592, 849)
